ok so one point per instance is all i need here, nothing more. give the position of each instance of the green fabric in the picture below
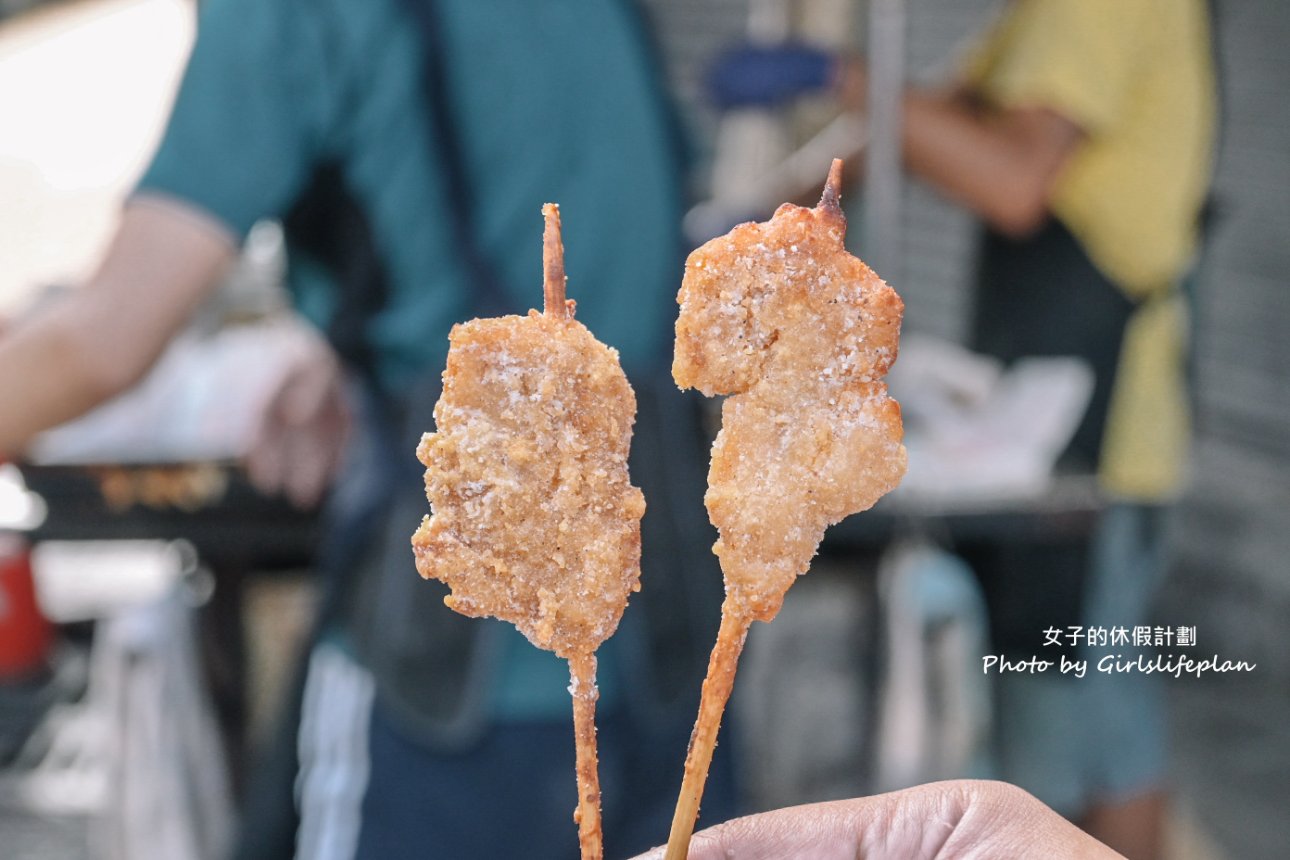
(275, 88)
(532, 683)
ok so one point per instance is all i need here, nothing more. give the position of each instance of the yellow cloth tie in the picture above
(1147, 435)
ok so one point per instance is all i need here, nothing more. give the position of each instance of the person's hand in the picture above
(768, 75)
(297, 447)
(940, 821)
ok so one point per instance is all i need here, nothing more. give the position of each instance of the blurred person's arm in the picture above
(101, 339)
(257, 103)
(1000, 164)
(1050, 75)
(944, 820)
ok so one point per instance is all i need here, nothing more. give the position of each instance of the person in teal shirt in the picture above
(551, 101)
(407, 146)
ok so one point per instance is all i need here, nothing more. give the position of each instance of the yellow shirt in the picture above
(1136, 77)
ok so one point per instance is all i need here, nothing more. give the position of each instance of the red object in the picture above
(25, 634)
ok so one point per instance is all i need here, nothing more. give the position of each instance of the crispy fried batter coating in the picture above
(780, 316)
(799, 333)
(534, 518)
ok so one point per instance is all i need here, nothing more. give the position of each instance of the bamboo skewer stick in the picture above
(716, 692)
(582, 672)
(582, 667)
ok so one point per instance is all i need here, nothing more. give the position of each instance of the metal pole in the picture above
(880, 226)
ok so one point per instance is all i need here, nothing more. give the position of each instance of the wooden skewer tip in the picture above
(554, 303)
(832, 197)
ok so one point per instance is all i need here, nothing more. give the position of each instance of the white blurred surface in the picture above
(979, 432)
(20, 509)
(88, 580)
(84, 90)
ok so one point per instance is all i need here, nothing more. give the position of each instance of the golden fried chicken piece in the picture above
(535, 520)
(799, 333)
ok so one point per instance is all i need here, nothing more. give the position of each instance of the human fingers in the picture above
(941, 821)
(265, 461)
(298, 441)
(312, 386)
(1003, 821)
(315, 451)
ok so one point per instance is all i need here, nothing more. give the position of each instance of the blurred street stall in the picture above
(153, 533)
(140, 753)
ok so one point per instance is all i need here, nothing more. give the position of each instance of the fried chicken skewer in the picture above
(535, 520)
(582, 666)
(799, 333)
